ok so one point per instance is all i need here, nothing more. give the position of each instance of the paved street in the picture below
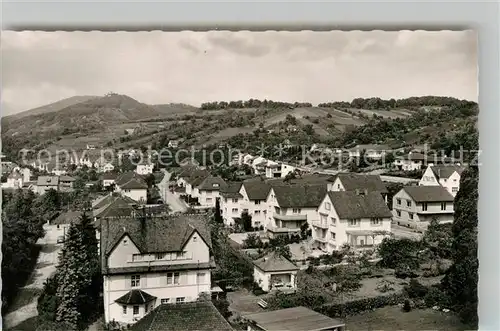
(175, 203)
(46, 266)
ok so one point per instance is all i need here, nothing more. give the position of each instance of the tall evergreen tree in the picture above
(71, 277)
(461, 279)
(218, 216)
(92, 282)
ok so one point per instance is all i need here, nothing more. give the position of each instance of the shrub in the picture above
(405, 272)
(435, 296)
(385, 286)
(415, 289)
(257, 290)
(351, 308)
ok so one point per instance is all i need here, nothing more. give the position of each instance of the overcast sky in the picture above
(193, 67)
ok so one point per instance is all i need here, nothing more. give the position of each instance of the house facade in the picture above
(208, 190)
(254, 200)
(144, 168)
(153, 261)
(230, 199)
(447, 176)
(374, 152)
(15, 180)
(417, 206)
(46, 183)
(359, 219)
(133, 186)
(410, 162)
(278, 170)
(292, 206)
(275, 272)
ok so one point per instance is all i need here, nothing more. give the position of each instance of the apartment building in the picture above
(291, 206)
(133, 186)
(150, 261)
(416, 206)
(360, 219)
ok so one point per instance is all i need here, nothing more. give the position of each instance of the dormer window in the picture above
(215, 185)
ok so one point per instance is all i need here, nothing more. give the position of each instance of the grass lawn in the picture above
(393, 318)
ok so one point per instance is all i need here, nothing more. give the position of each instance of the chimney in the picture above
(366, 191)
(357, 191)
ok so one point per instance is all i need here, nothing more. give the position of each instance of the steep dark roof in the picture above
(208, 184)
(197, 177)
(353, 182)
(232, 190)
(414, 157)
(109, 176)
(153, 234)
(135, 297)
(293, 319)
(428, 193)
(111, 198)
(47, 181)
(119, 207)
(134, 184)
(275, 262)
(350, 205)
(192, 316)
(300, 195)
(67, 217)
(445, 171)
(256, 189)
(66, 179)
(126, 177)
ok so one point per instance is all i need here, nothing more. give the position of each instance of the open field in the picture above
(393, 318)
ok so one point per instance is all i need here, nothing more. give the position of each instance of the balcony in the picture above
(290, 217)
(321, 239)
(320, 224)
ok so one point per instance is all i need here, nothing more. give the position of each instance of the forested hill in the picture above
(448, 127)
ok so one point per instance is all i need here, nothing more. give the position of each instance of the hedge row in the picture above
(359, 306)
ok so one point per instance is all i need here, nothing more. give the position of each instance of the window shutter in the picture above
(163, 279)
(144, 281)
(183, 278)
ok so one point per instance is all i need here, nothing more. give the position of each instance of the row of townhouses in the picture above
(345, 208)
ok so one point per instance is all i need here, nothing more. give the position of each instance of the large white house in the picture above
(207, 191)
(291, 206)
(151, 261)
(278, 169)
(448, 176)
(133, 186)
(230, 200)
(416, 206)
(360, 219)
(144, 168)
(410, 162)
(374, 152)
(15, 180)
